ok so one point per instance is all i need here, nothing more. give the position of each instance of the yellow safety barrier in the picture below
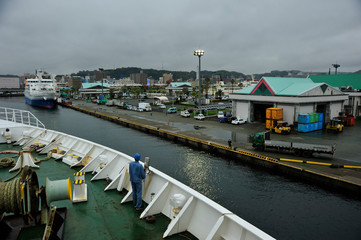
(355, 167)
(320, 163)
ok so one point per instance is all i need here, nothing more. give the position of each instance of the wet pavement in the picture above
(347, 143)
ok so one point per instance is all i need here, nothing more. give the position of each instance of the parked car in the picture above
(238, 121)
(172, 110)
(162, 106)
(220, 114)
(223, 119)
(185, 113)
(199, 117)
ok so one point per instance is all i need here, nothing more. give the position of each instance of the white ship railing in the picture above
(20, 116)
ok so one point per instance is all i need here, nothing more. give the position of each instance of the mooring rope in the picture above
(20, 169)
(10, 197)
(6, 162)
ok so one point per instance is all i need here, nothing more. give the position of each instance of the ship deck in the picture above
(101, 217)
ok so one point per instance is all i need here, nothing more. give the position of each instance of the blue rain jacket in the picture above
(136, 171)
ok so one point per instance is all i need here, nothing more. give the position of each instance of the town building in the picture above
(9, 82)
(167, 77)
(75, 82)
(140, 78)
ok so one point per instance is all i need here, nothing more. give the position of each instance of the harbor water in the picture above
(281, 206)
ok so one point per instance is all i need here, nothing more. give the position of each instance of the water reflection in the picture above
(199, 173)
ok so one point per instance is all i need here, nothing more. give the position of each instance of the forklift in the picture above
(335, 125)
(280, 127)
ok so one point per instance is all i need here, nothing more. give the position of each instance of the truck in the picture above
(185, 114)
(124, 105)
(145, 106)
(262, 141)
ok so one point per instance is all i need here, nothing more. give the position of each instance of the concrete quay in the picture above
(210, 135)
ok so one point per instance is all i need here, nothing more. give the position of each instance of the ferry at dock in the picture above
(41, 91)
(186, 209)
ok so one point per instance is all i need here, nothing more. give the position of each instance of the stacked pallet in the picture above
(310, 122)
(273, 115)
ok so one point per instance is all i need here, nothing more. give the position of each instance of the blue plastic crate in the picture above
(304, 118)
(320, 117)
(300, 128)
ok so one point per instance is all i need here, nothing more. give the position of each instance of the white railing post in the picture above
(21, 116)
(10, 114)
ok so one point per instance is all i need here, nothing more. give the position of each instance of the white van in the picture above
(145, 106)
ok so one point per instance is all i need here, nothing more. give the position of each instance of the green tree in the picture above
(124, 90)
(194, 92)
(137, 92)
(185, 90)
(219, 94)
(111, 93)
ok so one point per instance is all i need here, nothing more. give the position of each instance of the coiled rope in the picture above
(10, 196)
(6, 162)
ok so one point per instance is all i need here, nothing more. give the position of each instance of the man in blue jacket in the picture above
(137, 174)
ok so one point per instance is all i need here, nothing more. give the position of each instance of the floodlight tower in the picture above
(199, 53)
(336, 66)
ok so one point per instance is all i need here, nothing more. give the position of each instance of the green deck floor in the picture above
(102, 216)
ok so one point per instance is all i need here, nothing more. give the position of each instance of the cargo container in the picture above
(349, 120)
(303, 118)
(320, 117)
(274, 113)
(268, 123)
(272, 116)
(309, 127)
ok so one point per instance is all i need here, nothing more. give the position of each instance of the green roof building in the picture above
(295, 95)
(89, 90)
(342, 81)
(175, 88)
(349, 84)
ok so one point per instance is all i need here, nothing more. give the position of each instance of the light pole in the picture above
(199, 53)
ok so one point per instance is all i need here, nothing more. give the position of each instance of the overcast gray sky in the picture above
(249, 36)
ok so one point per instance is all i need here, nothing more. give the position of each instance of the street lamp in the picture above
(199, 53)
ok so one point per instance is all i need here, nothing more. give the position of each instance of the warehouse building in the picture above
(350, 84)
(89, 90)
(295, 95)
